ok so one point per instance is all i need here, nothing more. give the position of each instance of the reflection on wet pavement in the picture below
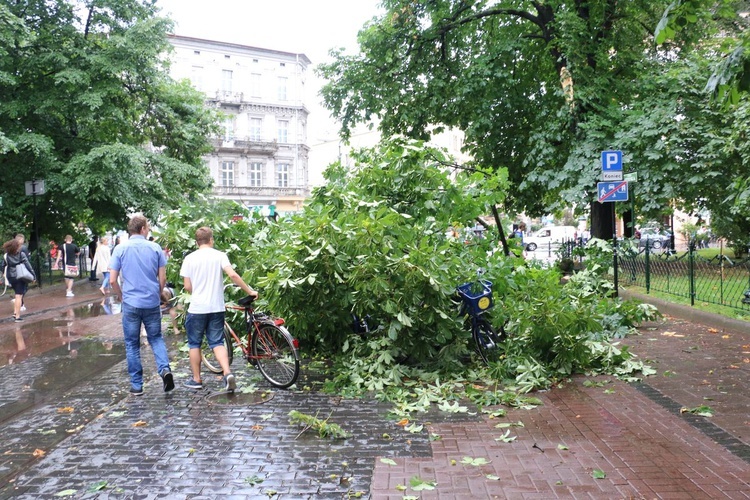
(32, 338)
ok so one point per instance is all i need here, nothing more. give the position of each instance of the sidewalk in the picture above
(615, 441)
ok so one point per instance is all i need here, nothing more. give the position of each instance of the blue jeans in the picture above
(212, 324)
(105, 280)
(132, 317)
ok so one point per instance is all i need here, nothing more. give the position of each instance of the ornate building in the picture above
(261, 159)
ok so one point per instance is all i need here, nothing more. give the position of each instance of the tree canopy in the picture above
(88, 106)
(542, 88)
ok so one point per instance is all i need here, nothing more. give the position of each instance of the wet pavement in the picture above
(70, 429)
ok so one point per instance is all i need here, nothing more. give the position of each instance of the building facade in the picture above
(261, 158)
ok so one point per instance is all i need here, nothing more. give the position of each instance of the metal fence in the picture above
(715, 280)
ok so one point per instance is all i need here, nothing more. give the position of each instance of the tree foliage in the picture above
(373, 242)
(88, 107)
(542, 88)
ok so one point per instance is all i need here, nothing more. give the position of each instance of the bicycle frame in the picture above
(253, 323)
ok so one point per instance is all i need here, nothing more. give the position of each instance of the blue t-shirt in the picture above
(138, 262)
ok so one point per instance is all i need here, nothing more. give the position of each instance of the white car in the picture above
(550, 235)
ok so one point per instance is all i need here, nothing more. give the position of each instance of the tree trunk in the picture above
(602, 220)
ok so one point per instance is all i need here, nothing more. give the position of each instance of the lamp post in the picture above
(33, 188)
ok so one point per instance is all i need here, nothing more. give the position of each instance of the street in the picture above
(70, 429)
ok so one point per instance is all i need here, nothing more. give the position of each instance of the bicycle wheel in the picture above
(208, 357)
(273, 350)
(487, 341)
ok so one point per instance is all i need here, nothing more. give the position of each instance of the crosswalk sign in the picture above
(612, 191)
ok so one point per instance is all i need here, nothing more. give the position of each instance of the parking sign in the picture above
(611, 161)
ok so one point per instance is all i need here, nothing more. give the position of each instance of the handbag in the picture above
(23, 274)
(70, 271)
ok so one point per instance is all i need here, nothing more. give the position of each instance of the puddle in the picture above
(239, 398)
(33, 338)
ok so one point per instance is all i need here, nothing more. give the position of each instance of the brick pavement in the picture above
(185, 445)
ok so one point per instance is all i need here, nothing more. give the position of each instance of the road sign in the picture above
(611, 161)
(612, 191)
(631, 177)
(612, 176)
(34, 187)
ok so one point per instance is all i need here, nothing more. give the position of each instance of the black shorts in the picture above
(18, 286)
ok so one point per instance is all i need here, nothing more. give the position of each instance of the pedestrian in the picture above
(24, 250)
(93, 244)
(53, 254)
(101, 263)
(13, 258)
(203, 277)
(142, 267)
(169, 305)
(70, 266)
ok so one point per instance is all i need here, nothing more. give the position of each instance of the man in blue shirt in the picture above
(141, 265)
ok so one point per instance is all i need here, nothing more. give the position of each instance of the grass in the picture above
(726, 311)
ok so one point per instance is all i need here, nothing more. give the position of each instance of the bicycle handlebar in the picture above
(246, 301)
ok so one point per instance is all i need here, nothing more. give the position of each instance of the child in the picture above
(169, 304)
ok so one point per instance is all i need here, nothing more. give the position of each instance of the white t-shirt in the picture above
(205, 268)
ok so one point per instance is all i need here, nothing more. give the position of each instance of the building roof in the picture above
(188, 40)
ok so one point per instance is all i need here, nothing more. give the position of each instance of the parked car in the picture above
(549, 235)
(654, 238)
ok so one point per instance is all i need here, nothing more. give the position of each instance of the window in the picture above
(255, 175)
(256, 129)
(255, 85)
(282, 175)
(283, 131)
(282, 88)
(226, 80)
(229, 129)
(227, 173)
(196, 77)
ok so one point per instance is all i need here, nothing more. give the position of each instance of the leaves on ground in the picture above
(476, 462)
(417, 484)
(39, 453)
(66, 493)
(388, 461)
(506, 438)
(562, 446)
(701, 411)
(97, 486)
(253, 480)
(598, 474)
(66, 409)
(140, 423)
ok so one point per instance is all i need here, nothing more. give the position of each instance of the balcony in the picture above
(225, 96)
(244, 145)
(262, 191)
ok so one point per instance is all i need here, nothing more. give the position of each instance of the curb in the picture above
(688, 313)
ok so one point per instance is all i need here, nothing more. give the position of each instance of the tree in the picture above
(539, 87)
(88, 106)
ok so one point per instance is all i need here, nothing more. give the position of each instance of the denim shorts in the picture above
(19, 287)
(210, 325)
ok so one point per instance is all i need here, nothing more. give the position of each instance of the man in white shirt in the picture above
(203, 276)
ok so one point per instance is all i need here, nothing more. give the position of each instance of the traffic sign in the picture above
(611, 161)
(612, 176)
(612, 191)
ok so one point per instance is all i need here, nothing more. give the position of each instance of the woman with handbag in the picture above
(19, 273)
(70, 266)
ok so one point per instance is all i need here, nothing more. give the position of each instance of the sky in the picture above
(310, 27)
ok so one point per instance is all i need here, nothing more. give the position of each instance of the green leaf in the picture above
(388, 461)
(476, 462)
(598, 474)
(66, 493)
(97, 486)
(418, 484)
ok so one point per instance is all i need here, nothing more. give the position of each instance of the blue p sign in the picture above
(611, 161)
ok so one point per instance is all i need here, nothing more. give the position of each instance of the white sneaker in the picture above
(23, 308)
(12, 300)
(69, 294)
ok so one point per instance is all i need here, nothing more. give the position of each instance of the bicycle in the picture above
(268, 345)
(476, 299)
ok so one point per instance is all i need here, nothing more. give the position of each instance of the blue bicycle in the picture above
(476, 299)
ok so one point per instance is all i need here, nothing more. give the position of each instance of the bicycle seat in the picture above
(246, 301)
